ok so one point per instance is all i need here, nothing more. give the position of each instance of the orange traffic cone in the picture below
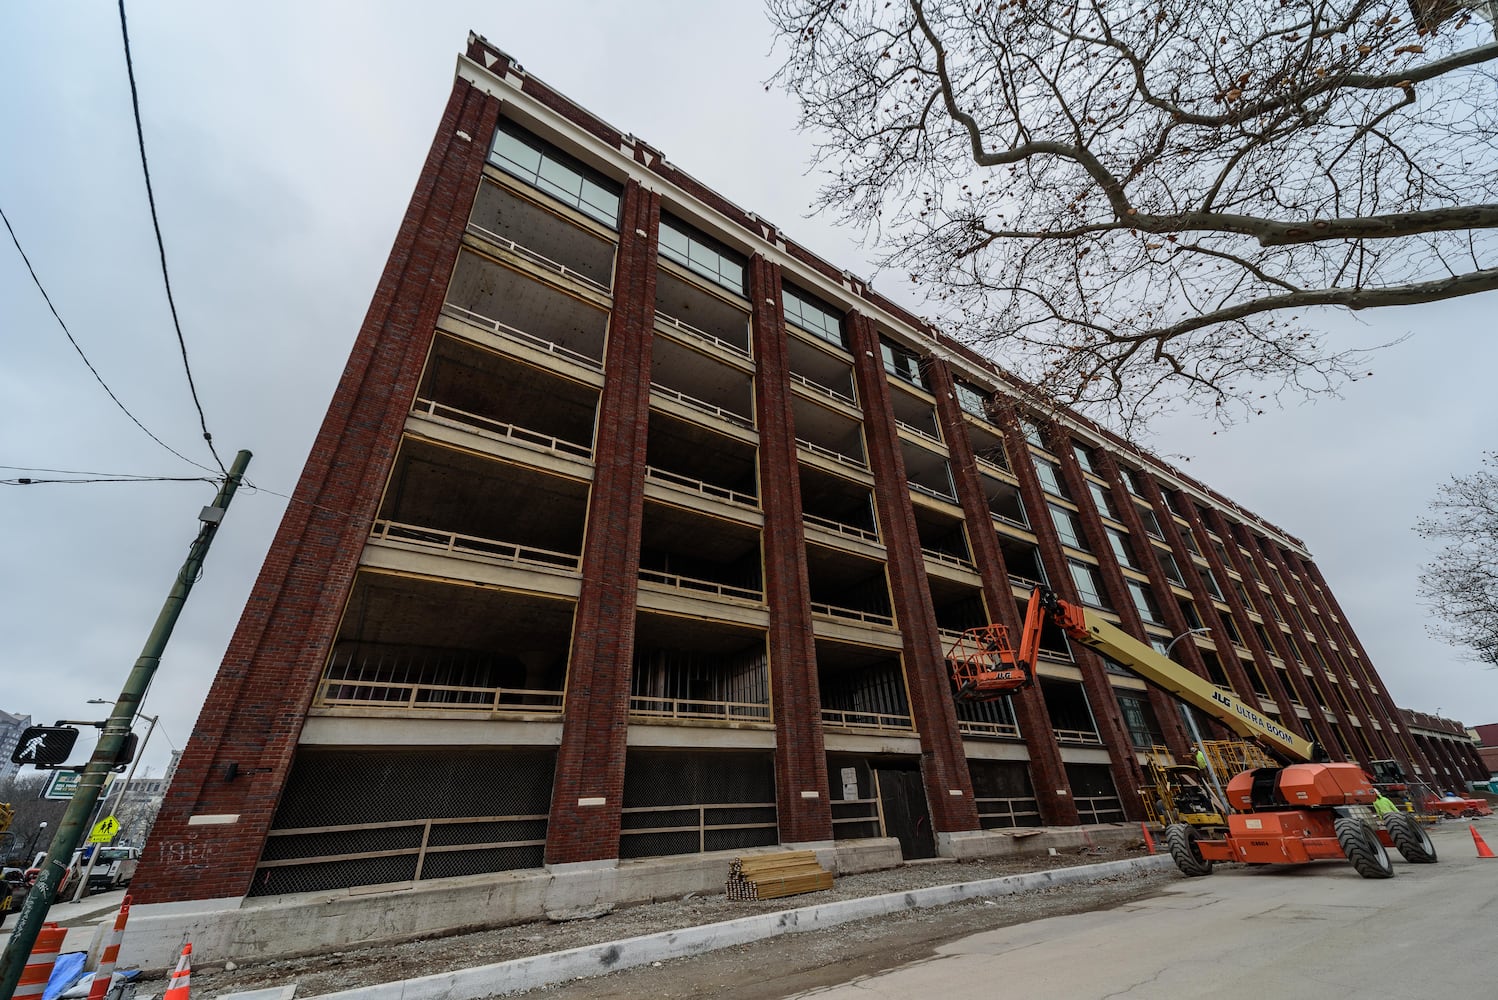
(1483, 850)
(39, 966)
(105, 972)
(177, 988)
(1148, 840)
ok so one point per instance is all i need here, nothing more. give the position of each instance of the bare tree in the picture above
(1125, 201)
(1462, 584)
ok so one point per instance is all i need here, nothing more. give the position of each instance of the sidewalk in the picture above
(79, 918)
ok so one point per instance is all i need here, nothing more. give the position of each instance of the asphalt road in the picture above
(1310, 931)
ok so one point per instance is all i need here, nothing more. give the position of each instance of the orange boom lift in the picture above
(1307, 810)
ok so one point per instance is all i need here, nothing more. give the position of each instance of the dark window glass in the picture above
(552, 172)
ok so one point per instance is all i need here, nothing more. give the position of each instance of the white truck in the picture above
(114, 868)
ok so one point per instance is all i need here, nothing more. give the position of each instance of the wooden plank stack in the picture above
(769, 876)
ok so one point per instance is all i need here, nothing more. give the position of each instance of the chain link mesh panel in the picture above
(1004, 794)
(1094, 793)
(374, 816)
(684, 802)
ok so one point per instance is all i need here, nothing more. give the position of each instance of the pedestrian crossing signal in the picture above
(44, 746)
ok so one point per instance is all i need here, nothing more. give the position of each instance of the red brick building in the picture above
(635, 529)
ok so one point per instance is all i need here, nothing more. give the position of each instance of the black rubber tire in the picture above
(1181, 840)
(1410, 838)
(1362, 848)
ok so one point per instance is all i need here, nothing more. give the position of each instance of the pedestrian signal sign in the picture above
(44, 746)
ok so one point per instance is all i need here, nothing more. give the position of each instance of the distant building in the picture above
(1450, 747)
(636, 529)
(11, 728)
(1487, 746)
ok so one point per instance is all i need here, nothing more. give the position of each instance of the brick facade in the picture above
(243, 747)
(254, 711)
(589, 789)
(803, 807)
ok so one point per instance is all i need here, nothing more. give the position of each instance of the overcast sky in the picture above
(284, 141)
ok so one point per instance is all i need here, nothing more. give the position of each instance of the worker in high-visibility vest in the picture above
(1201, 760)
(1383, 805)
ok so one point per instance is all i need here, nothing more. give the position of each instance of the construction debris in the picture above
(770, 876)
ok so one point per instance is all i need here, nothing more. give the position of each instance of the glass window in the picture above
(549, 170)
(1049, 475)
(1171, 568)
(1151, 523)
(1131, 481)
(1119, 543)
(901, 363)
(1144, 602)
(1211, 582)
(1085, 577)
(699, 254)
(812, 316)
(1188, 612)
(1032, 433)
(1139, 719)
(1188, 539)
(1066, 526)
(1230, 627)
(972, 401)
(1101, 498)
(1084, 457)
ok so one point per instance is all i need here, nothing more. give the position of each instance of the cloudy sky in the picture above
(284, 139)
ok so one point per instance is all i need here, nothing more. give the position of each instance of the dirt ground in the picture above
(797, 960)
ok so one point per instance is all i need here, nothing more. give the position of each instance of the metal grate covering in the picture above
(678, 802)
(374, 816)
(1003, 794)
(1094, 793)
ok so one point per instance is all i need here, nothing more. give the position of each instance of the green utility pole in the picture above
(74, 825)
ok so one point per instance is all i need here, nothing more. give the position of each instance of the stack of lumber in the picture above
(769, 876)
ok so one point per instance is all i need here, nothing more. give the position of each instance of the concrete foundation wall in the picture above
(282, 926)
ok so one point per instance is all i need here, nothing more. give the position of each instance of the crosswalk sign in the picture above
(104, 831)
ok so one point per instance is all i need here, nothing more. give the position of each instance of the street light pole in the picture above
(119, 801)
(1196, 735)
(70, 830)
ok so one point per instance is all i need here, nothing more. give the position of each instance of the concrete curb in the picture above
(522, 974)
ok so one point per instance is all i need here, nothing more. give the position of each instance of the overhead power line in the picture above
(166, 278)
(123, 408)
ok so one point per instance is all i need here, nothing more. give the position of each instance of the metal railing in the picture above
(835, 456)
(824, 390)
(918, 432)
(851, 614)
(679, 582)
(1099, 808)
(937, 494)
(1015, 580)
(420, 851)
(497, 428)
(865, 811)
(1081, 737)
(697, 710)
(986, 461)
(1011, 521)
(833, 718)
(704, 405)
(515, 333)
(948, 558)
(992, 730)
(840, 528)
(337, 692)
(449, 541)
(702, 826)
(696, 333)
(699, 486)
(533, 257)
(1013, 811)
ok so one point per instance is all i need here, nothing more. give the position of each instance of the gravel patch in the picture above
(363, 966)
